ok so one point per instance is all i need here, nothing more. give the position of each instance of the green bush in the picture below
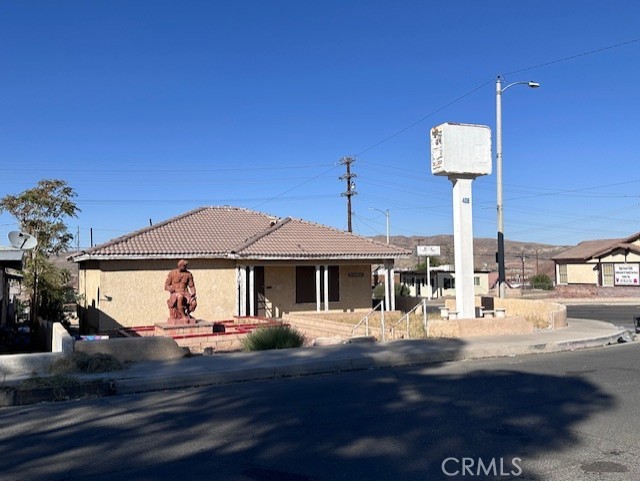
(542, 281)
(278, 337)
(400, 289)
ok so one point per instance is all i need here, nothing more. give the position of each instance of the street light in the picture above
(386, 213)
(499, 91)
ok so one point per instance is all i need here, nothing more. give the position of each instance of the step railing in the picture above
(406, 317)
(365, 319)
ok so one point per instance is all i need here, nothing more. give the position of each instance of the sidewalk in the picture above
(266, 365)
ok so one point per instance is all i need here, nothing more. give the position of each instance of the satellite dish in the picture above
(22, 241)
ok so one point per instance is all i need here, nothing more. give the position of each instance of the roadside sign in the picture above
(427, 251)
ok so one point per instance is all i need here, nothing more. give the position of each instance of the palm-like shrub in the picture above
(278, 337)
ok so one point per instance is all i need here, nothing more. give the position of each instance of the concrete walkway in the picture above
(265, 365)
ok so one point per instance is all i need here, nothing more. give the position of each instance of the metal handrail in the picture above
(365, 319)
(423, 304)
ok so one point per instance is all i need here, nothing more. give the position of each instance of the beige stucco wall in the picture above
(619, 257)
(280, 290)
(131, 293)
(582, 274)
(88, 284)
(541, 314)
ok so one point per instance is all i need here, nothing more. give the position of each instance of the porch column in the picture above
(238, 290)
(387, 282)
(392, 287)
(326, 288)
(318, 296)
(252, 307)
(242, 298)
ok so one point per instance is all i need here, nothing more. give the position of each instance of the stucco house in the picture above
(607, 263)
(244, 263)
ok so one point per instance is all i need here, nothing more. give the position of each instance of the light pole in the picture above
(499, 91)
(386, 213)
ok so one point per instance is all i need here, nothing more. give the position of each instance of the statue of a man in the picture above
(182, 300)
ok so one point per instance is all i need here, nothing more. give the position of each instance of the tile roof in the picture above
(231, 232)
(588, 249)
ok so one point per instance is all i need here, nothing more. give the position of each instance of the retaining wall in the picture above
(541, 314)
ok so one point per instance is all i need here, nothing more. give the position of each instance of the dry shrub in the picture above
(85, 363)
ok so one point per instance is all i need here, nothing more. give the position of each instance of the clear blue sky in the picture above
(149, 109)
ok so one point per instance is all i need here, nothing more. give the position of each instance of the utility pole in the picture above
(523, 269)
(350, 187)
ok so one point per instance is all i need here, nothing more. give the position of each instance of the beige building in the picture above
(613, 263)
(442, 282)
(244, 263)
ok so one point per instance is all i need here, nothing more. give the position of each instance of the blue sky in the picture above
(149, 109)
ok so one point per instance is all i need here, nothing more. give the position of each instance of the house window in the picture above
(449, 283)
(607, 274)
(476, 281)
(306, 284)
(562, 273)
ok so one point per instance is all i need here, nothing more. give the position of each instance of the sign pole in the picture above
(428, 278)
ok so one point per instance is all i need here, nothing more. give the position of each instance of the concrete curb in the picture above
(367, 361)
(283, 365)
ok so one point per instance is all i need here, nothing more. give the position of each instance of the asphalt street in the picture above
(617, 314)
(565, 416)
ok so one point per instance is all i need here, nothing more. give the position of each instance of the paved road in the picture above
(617, 314)
(567, 416)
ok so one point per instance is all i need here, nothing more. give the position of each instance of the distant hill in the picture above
(537, 256)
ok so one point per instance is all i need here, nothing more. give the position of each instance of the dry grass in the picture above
(82, 362)
(395, 325)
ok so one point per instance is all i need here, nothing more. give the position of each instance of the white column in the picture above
(318, 296)
(387, 283)
(326, 288)
(238, 289)
(392, 287)
(243, 291)
(252, 307)
(428, 277)
(463, 246)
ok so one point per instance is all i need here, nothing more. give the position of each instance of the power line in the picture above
(571, 57)
(532, 67)
(439, 109)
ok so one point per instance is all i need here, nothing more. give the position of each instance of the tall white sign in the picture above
(462, 152)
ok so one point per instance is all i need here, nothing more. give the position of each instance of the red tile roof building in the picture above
(250, 262)
(611, 264)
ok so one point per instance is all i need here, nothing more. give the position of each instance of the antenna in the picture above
(22, 240)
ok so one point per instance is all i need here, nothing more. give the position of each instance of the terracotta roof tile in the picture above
(295, 238)
(587, 249)
(215, 232)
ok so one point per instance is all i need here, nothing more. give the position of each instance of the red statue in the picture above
(182, 301)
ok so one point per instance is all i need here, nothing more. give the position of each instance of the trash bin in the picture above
(636, 322)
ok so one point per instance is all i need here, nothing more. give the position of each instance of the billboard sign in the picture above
(626, 274)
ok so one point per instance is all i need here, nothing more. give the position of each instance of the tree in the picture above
(41, 212)
(542, 281)
(434, 261)
(400, 291)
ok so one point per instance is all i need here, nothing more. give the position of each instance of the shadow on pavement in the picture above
(374, 424)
